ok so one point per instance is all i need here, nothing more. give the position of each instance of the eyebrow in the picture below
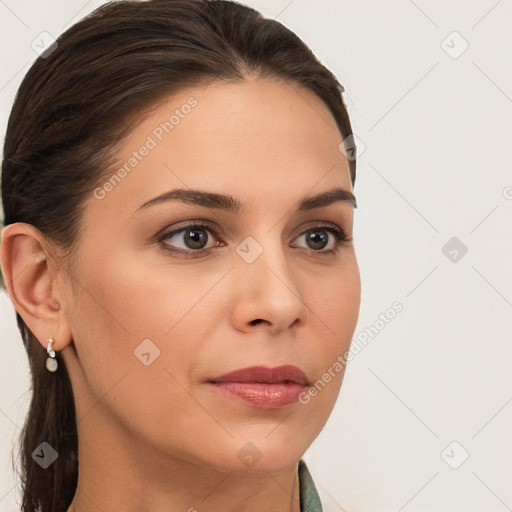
(231, 204)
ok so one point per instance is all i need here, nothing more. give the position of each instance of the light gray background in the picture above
(438, 132)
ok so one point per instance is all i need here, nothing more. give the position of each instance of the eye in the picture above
(317, 239)
(193, 237)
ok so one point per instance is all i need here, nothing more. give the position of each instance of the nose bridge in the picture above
(267, 288)
(263, 257)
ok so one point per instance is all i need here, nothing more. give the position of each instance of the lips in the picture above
(263, 387)
(265, 375)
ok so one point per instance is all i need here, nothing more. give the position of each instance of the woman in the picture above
(178, 198)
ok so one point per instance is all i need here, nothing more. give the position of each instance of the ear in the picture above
(29, 270)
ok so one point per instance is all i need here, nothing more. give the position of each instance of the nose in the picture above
(267, 296)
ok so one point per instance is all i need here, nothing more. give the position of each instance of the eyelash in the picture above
(340, 238)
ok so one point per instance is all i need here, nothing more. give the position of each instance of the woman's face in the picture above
(159, 310)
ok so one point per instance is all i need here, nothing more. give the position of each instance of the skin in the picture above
(157, 437)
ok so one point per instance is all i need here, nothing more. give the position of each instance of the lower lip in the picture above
(265, 396)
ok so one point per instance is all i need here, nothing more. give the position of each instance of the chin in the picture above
(268, 452)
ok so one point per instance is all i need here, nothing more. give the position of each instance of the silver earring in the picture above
(51, 362)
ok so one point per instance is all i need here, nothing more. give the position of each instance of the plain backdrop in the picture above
(424, 417)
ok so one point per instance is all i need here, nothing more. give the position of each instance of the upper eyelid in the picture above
(166, 232)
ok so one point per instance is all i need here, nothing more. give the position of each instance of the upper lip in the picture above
(265, 375)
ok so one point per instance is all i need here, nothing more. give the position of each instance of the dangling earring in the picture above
(51, 362)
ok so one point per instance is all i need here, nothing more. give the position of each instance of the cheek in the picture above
(129, 298)
(334, 303)
(335, 311)
(130, 367)
(128, 313)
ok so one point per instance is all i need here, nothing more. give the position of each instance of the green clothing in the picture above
(309, 499)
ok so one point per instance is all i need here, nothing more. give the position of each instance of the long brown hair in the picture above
(74, 107)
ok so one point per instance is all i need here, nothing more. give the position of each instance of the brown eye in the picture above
(191, 238)
(195, 238)
(318, 240)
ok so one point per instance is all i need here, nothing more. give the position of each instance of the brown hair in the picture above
(72, 110)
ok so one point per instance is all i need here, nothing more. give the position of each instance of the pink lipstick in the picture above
(264, 387)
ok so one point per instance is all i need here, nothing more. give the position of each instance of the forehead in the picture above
(240, 137)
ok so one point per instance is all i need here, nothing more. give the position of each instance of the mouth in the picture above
(263, 387)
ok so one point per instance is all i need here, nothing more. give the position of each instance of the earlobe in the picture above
(25, 259)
